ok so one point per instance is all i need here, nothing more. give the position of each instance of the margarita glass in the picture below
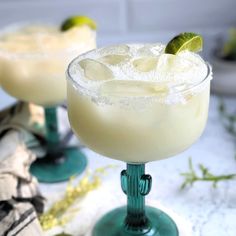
(136, 104)
(33, 60)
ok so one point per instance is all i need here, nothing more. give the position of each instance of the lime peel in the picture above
(76, 21)
(185, 41)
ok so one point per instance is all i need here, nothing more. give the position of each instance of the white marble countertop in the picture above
(207, 211)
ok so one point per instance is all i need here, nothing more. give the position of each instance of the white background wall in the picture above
(131, 20)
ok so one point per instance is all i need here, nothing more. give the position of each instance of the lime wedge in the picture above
(78, 21)
(185, 41)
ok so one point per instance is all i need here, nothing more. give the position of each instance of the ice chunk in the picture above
(145, 64)
(151, 49)
(193, 58)
(130, 88)
(181, 68)
(172, 63)
(116, 49)
(145, 50)
(158, 49)
(94, 70)
(114, 59)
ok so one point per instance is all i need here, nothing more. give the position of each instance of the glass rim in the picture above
(91, 91)
(33, 54)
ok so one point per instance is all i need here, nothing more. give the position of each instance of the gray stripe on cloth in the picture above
(5, 208)
(20, 221)
(26, 225)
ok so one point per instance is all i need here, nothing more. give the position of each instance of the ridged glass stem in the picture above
(52, 134)
(136, 185)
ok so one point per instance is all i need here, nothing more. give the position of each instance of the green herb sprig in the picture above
(191, 176)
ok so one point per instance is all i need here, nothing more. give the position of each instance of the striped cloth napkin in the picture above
(20, 199)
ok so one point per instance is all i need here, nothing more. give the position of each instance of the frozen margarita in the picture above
(136, 103)
(33, 60)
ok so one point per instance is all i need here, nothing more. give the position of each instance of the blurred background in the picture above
(131, 20)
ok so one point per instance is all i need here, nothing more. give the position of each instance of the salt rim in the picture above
(75, 74)
(41, 54)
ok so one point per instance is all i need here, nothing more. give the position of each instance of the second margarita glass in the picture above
(33, 60)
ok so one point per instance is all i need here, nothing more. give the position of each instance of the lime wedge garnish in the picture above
(185, 41)
(78, 21)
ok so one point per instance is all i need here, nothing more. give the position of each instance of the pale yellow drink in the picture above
(140, 106)
(33, 60)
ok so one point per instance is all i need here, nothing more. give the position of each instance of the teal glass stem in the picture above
(52, 133)
(135, 219)
(136, 184)
(61, 161)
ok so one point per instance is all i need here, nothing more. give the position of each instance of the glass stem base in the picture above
(51, 169)
(136, 219)
(112, 224)
(60, 163)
